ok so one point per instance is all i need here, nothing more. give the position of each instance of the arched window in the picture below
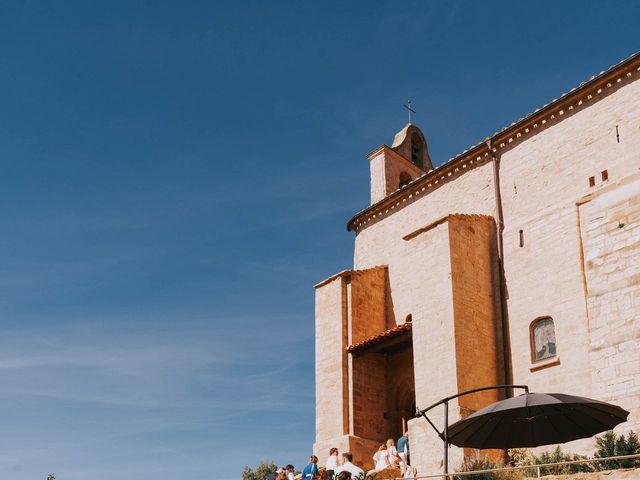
(416, 150)
(543, 339)
(405, 179)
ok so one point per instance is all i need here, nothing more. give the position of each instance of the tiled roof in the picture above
(381, 338)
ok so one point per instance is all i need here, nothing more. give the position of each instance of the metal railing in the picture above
(537, 468)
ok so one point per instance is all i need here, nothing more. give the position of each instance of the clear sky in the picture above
(176, 176)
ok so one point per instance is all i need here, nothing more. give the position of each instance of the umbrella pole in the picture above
(446, 438)
(444, 435)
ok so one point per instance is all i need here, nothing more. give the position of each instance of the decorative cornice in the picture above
(522, 129)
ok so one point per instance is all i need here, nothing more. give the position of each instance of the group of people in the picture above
(341, 467)
(284, 473)
(389, 454)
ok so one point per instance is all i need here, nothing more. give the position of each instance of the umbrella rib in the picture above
(596, 419)
(528, 409)
(559, 434)
(475, 424)
(462, 425)
(580, 427)
(493, 429)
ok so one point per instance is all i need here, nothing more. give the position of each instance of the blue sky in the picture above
(177, 175)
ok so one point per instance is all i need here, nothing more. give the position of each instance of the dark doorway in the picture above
(401, 392)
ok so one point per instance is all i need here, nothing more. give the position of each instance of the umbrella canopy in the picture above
(535, 419)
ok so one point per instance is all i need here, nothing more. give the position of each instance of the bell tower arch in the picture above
(394, 167)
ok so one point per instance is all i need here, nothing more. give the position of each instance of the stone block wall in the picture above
(331, 359)
(564, 192)
(425, 268)
(351, 393)
(368, 303)
(386, 165)
(610, 226)
(369, 397)
(457, 334)
(544, 181)
(476, 307)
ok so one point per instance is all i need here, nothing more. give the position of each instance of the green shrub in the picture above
(470, 465)
(610, 445)
(261, 472)
(557, 456)
(484, 463)
(521, 457)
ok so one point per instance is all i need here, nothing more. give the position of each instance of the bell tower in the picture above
(394, 167)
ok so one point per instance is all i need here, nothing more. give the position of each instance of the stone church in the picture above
(516, 262)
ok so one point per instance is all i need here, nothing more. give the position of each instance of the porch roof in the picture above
(387, 341)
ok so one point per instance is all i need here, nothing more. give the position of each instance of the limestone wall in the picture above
(369, 397)
(543, 180)
(565, 191)
(476, 306)
(368, 304)
(382, 242)
(351, 393)
(425, 269)
(386, 167)
(611, 238)
(331, 360)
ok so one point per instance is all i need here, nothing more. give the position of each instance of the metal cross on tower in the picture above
(409, 109)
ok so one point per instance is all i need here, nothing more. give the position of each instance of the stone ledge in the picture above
(552, 362)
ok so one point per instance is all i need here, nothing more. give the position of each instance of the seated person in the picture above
(347, 466)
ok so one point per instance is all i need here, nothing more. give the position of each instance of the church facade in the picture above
(516, 262)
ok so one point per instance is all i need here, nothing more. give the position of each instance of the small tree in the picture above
(632, 448)
(606, 447)
(611, 445)
(262, 471)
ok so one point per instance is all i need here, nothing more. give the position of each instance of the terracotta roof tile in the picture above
(396, 331)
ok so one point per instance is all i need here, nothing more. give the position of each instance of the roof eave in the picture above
(499, 137)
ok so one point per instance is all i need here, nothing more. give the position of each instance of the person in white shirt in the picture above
(356, 472)
(393, 452)
(332, 462)
(381, 458)
(290, 472)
